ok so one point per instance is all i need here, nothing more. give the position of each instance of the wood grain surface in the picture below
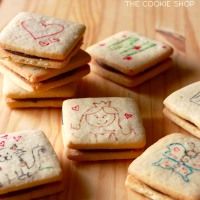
(178, 26)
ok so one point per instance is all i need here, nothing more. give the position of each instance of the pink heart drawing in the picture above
(2, 143)
(75, 108)
(17, 138)
(41, 29)
(128, 115)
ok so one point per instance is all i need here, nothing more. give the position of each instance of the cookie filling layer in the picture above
(109, 68)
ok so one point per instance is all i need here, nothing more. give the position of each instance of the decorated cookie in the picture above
(169, 169)
(183, 108)
(26, 160)
(111, 123)
(41, 36)
(129, 52)
(103, 123)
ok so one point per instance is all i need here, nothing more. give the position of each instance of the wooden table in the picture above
(105, 180)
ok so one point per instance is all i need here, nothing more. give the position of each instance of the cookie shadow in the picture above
(168, 82)
(84, 179)
(155, 129)
(75, 182)
(94, 85)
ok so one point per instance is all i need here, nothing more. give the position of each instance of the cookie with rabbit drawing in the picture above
(27, 160)
(110, 126)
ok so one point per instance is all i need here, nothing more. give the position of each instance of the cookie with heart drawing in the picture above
(102, 128)
(41, 36)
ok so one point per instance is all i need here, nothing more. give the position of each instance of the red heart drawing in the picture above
(75, 108)
(41, 29)
(17, 138)
(2, 143)
(128, 115)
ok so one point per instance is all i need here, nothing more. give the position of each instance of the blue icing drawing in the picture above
(180, 160)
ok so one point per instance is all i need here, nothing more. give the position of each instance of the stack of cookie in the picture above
(182, 107)
(129, 59)
(29, 166)
(41, 60)
(167, 170)
(108, 128)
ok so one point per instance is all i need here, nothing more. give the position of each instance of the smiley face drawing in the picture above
(101, 119)
(101, 115)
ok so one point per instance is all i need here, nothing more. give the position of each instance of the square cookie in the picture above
(102, 128)
(98, 155)
(41, 36)
(103, 123)
(11, 90)
(183, 108)
(41, 192)
(27, 159)
(35, 74)
(17, 57)
(35, 103)
(60, 80)
(129, 52)
(169, 168)
(129, 81)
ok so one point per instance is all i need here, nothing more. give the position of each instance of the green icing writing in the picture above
(125, 46)
(143, 48)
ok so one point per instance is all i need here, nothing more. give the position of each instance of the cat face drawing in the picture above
(181, 160)
(7, 154)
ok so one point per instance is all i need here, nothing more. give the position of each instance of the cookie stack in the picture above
(167, 170)
(129, 59)
(29, 166)
(182, 107)
(41, 60)
(108, 128)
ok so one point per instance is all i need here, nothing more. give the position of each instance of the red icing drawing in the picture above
(2, 143)
(102, 119)
(42, 30)
(17, 138)
(137, 47)
(128, 115)
(127, 58)
(75, 108)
